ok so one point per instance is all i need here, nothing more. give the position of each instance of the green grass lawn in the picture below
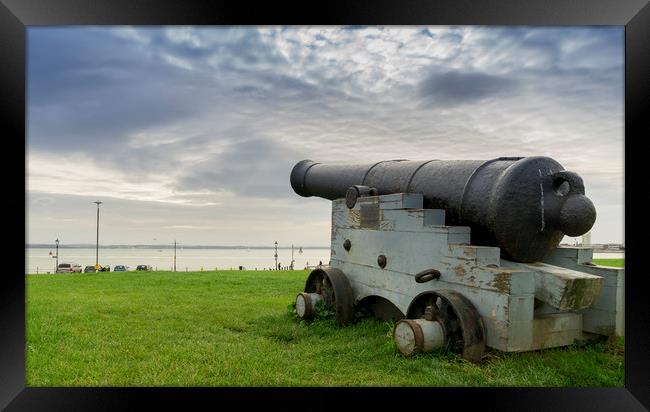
(235, 329)
(617, 263)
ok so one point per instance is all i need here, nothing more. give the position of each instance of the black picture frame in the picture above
(17, 15)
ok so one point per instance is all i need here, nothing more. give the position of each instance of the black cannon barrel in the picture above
(524, 205)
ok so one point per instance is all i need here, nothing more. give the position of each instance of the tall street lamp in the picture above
(276, 255)
(97, 248)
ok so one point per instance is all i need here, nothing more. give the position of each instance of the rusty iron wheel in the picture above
(334, 287)
(461, 320)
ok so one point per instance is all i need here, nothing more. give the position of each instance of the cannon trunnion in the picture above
(399, 256)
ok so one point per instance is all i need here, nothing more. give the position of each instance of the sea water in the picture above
(39, 260)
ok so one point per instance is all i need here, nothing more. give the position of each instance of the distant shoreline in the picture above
(164, 246)
(596, 248)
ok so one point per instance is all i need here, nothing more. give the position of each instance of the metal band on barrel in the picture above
(304, 176)
(363, 181)
(408, 185)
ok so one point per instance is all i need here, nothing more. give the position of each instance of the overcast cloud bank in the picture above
(192, 132)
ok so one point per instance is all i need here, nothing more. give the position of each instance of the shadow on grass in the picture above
(287, 327)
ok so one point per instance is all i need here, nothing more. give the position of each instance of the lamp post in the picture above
(57, 254)
(276, 255)
(97, 247)
(174, 255)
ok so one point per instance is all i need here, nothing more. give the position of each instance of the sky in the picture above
(190, 133)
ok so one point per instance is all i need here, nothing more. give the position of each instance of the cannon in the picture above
(461, 253)
(524, 206)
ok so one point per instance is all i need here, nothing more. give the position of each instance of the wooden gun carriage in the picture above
(408, 252)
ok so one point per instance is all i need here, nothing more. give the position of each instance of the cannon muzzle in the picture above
(524, 205)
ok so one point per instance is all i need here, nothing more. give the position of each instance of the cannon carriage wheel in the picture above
(461, 325)
(332, 287)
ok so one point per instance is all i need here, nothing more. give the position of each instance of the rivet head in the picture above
(381, 261)
(347, 244)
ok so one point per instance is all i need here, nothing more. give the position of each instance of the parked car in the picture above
(68, 268)
(106, 268)
(120, 268)
(89, 269)
(144, 267)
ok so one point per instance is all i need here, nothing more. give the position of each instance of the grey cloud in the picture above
(242, 48)
(513, 49)
(452, 36)
(94, 103)
(455, 87)
(247, 89)
(91, 93)
(247, 112)
(571, 66)
(427, 32)
(90, 89)
(249, 167)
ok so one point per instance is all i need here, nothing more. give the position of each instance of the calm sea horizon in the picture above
(39, 260)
